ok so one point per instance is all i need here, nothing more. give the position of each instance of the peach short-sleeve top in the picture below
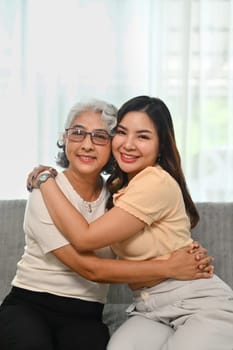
(154, 197)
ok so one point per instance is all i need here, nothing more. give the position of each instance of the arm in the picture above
(114, 226)
(181, 265)
(93, 236)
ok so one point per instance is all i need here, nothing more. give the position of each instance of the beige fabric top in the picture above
(39, 269)
(154, 197)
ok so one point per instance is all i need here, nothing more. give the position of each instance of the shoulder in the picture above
(152, 193)
(153, 175)
(35, 203)
(67, 188)
(156, 184)
(62, 180)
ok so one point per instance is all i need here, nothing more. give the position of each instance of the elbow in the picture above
(94, 277)
(94, 273)
(84, 247)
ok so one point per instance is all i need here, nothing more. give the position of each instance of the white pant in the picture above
(179, 315)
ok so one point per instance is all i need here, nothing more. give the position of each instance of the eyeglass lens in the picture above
(97, 137)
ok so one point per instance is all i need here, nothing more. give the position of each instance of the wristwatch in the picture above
(43, 177)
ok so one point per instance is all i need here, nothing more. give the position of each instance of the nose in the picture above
(87, 143)
(129, 143)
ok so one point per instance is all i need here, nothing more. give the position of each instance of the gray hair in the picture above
(107, 110)
(108, 116)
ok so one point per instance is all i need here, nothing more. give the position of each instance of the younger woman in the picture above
(152, 217)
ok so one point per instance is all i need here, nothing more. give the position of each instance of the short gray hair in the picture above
(108, 116)
(107, 110)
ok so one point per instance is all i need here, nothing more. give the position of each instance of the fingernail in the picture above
(29, 188)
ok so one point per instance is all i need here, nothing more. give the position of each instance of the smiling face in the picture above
(85, 157)
(136, 143)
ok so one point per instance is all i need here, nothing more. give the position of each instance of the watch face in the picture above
(43, 177)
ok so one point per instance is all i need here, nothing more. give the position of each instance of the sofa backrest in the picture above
(215, 232)
(11, 240)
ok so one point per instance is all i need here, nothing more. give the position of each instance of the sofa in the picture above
(214, 231)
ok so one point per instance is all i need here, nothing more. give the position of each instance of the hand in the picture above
(200, 254)
(31, 183)
(190, 263)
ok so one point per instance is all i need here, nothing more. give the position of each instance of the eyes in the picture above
(141, 135)
(98, 137)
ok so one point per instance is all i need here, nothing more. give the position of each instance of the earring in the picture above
(158, 160)
(60, 142)
(113, 165)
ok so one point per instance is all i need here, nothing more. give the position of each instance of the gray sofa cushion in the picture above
(215, 232)
(11, 240)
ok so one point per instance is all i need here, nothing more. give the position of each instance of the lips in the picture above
(86, 159)
(128, 158)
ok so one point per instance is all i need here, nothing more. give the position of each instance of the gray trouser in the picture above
(179, 315)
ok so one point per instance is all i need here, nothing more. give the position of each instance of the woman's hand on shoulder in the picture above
(31, 183)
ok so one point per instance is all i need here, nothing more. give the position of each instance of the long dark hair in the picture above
(169, 157)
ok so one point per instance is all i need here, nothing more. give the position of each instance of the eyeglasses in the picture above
(98, 137)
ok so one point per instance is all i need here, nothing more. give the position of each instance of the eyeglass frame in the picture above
(91, 133)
